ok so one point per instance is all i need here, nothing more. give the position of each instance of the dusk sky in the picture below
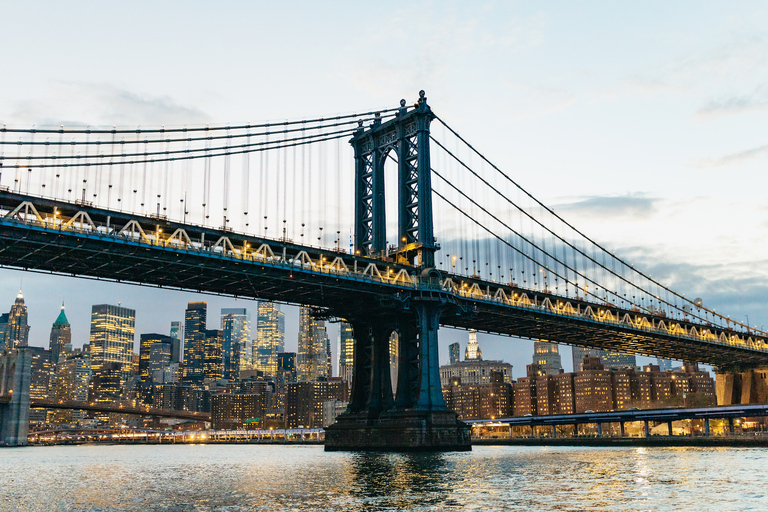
(641, 123)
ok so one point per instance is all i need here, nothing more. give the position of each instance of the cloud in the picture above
(634, 205)
(732, 159)
(756, 100)
(91, 104)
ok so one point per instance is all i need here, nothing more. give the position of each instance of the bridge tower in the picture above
(15, 377)
(406, 139)
(413, 417)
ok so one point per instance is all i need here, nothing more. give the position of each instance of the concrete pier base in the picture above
(399, 431)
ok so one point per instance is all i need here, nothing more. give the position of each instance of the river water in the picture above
(305, 478)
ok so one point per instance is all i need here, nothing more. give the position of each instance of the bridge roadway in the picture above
(79, 239)
(119, 408)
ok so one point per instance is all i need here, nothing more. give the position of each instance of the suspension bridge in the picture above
(406, 228)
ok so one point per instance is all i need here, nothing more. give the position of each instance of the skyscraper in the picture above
(194, 342)
(664, 364)
(579, 353)
(17, 330)
(73, 373)
(236, 345)
(213, 359)
(473, 352)
(312, 358)
(146, 346)
(112, 332)
(346, 351)
(61, 337)
(270, 337)
(177, 334)
(454, 353)
(547, 356)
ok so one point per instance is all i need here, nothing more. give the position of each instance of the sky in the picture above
(640, 123)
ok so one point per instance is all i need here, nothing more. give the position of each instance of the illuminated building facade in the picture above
(177, 334)
(233, 411)
(17, 329)
(473, 352)
(474, 371)
(270, 337)
(480, 401)
(213, 359)
(346, 351)
(613, 360)
(304, 401)
(236, 344)
(41, 381)
(73, 375)
(112, 338)
(61, 337)
(312, 357)
(547, 356)
(194, 342)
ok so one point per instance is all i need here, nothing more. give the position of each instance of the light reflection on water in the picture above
(298, 478)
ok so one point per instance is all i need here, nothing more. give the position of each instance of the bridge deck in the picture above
(81, 240)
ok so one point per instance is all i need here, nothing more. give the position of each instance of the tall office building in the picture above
(112, 332)
(346, 351)
(270, 337)
(312, 358)
(73, 373)
(547, 356)
(213, 359)
(613, 360)
(579, 353)
(473, 352)
(61, 337)
(194, 342)
(17, 329)
(236, 344)
(146, 346)
(177, 334)
(454, 353)
(41, 381)
(3, 329)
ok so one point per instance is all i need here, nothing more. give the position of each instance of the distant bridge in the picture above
(119, 408)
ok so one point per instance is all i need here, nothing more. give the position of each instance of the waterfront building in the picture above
(213, 359)
(346, 351)
(312, 357)
(235, 411)
(236, 342)
(304, 401)
(16, 327)
(592, 387)
(270, 336)
(112, 339)
(194, 342)
(473, 352)
(177, 334)
(480, 401)
(454, 353)
(547, 356)
(61, 337)
(525, 388)
(182, 397)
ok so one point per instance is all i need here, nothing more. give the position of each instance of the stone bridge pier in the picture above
(746, 387)
(15, 375)
(412, 417)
